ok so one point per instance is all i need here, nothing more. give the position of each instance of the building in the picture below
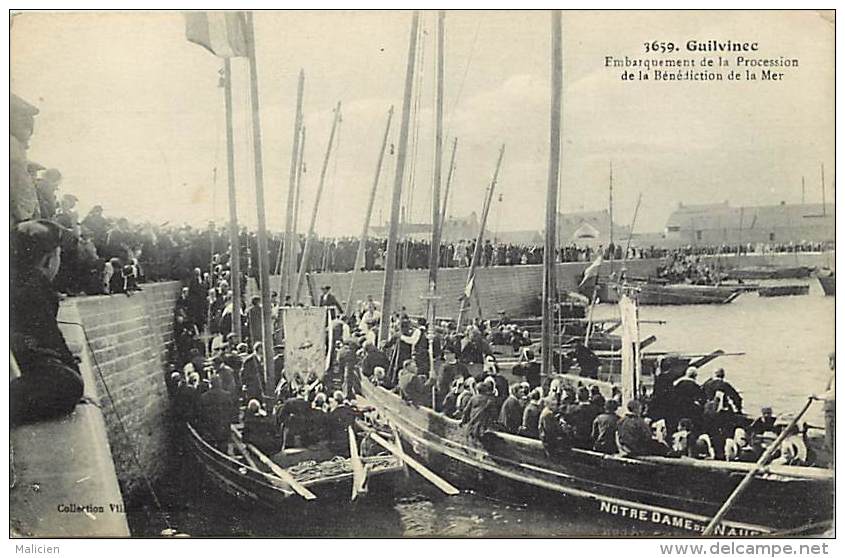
(584, 228)
(714, 224)
(454, 229)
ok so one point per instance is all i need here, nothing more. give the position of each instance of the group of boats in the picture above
(646, 493)
(657, 292)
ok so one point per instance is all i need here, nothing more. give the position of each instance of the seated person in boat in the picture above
(764, 423)
(555, 432)
(501, 388)
(737, 448)
(413, 387)
(634, 434)
(588, 362)
(451, 371)
(531, 414)
(604, 427)
(341, 416)
(580, 416)
(482, 412)
(260, 429)
(703, 448)
(187, 399)
(215, 416)
(474, 347)
(521, 339)
(449, 406)
(528, 368)
(510, 415)
(293, 419)
(467, 392)
(373, 357)
(682, 439)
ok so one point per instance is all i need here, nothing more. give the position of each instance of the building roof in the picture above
(724, 216)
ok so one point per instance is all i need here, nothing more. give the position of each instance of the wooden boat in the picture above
(783, 290)
(769, 272)
(673, 495)
(661, 295)
(251, 481)
(827, 280)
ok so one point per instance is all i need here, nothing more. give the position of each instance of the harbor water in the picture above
(785, 341)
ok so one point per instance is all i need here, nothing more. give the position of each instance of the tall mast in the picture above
(263, 256)
(362, 242)
(610, 210)
(300, 168)
(436, 232)
(476, 254)
(234, 238)
(824, 203)
(287, 270)
(445, 202)
(306, 252)
(549, 279)
(802, 190)
(390, 256)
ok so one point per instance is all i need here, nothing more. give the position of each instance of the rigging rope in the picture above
(123, 429)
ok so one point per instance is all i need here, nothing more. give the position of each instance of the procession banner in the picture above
(305, 343)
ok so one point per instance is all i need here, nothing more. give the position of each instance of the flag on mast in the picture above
(591, 271)
(222, 33)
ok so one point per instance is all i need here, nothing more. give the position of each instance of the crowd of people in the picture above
(456, 372)
(108, 255)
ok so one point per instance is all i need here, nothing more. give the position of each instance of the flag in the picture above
(591, 271)
(469, 286)
(222, 33)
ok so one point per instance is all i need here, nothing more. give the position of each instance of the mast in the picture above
(300, 169)
(633, 224)
(549, 279)
(390, 256)
(234, 238)
(476, 254)
(824, 203)
(802, 190)
(362, 242)
(306, 252)
(263, 256)
(448, 183)
(610, 210)
(436, 232)
(287, 245)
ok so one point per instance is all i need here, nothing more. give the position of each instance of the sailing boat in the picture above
(652, 493)
(274, 476)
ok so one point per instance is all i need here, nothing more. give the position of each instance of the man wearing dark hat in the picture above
(328, 299)
(50, 383)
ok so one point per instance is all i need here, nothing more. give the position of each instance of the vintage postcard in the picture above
(397, 273)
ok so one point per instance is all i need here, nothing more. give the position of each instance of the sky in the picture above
(132, 115)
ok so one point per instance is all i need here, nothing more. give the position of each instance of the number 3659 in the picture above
(660, 46)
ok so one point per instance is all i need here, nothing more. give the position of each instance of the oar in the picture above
(647, 341)
(426, 473)
(242, 448)
(757, 467)
(707, 358)
(279, 472)
(359, 472)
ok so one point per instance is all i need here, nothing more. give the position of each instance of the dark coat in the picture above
(480, 415)
(511, 414)
(604, 433)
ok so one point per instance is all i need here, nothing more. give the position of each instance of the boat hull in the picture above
(783, 290)
(670, 295)
(763, 272)
(251, 488)
(651, 494)
(828, 284)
